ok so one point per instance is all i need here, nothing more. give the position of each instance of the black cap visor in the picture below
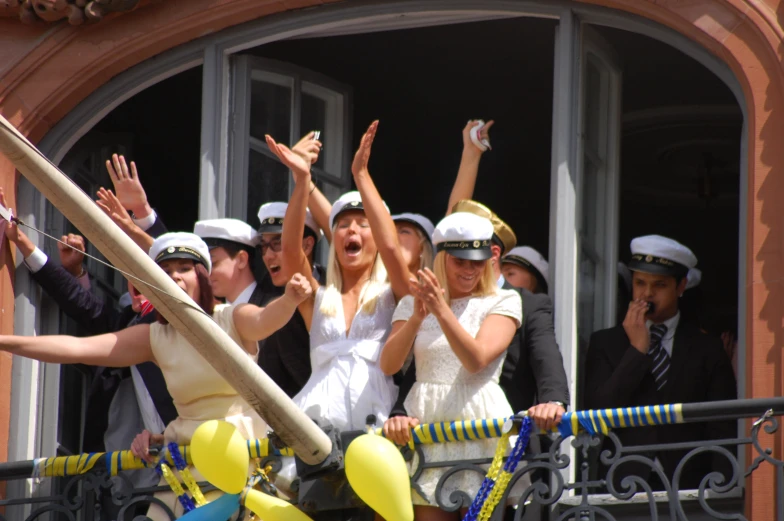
(468, 250)
(353, 206)
(657, 266)
(180, 252)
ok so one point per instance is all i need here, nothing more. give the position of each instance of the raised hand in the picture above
(429, 291)
(11, 228)
(298, 288)
(300, 166)
(484, 133)
(127, 186)
(634, 325)
(362, 156)
(308, 148)
(113, 207)
(72, 253)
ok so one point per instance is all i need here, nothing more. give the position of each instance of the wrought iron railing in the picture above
(550, 485)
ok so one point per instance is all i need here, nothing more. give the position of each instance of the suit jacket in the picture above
(285, 354)
(533, 370)
(97, 317)
(618, 375)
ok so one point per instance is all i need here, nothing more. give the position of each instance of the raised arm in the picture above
(294, 258)
(254, 323)
(112, 207)
(381, 224)
(465, 182)
(128, 187)
(400, 340)
(309, 148)
(122, 349)
(475, 354)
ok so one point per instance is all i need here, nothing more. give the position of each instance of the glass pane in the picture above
(69, 419)
(591, 203)
(270, 110)
(268, 180)
(330, 190)
(593, 100)
(313, 116)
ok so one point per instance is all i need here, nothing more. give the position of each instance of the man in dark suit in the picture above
(284, 355)
(533, 375)
(656, 358)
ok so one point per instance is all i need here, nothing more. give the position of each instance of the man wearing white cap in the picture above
(231, 243)
(654, 357)
(524, 267)
(284, 355)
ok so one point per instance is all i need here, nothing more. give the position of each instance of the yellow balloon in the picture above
(377, 472)
(270, 508)
(220, 453)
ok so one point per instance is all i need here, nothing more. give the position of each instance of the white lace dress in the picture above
(446, 391)
(346, 384)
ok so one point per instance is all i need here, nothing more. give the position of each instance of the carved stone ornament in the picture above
(76, 12)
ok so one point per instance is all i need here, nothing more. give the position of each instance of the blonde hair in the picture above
(487, 284)
(370, 292)
(426, 258)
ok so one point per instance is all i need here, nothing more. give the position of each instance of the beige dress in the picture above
(199, 394)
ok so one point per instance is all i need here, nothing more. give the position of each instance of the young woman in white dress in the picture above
(349, 319)
(459, 324)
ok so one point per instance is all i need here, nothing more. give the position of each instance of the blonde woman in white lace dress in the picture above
(458, 324)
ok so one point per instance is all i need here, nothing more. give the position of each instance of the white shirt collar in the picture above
(672, 325)
(501, 281)
(244, 297)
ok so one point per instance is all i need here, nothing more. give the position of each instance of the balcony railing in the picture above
(549, 485)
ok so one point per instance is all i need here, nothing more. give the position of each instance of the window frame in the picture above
(31, 407)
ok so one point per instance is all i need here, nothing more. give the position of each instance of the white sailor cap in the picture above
(530, 259)
(693, 278)
(464, 235)
(181, 245)
(219, 232)
(347, 202)
(661, 255)
(420, 221)
(271, 218)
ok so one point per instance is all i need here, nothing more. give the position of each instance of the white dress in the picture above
(346, 384)
(446, 391)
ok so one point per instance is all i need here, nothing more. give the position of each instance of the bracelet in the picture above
(314, 187)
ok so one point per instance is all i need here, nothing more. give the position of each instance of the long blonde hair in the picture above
(426, 259)
(487, 284)
(370, 292)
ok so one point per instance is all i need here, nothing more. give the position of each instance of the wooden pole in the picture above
(292, 425)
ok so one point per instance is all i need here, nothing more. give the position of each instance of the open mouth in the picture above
(353, 247)
(274, 270)
(467, 278)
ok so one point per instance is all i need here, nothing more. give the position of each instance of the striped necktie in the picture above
(661, 360)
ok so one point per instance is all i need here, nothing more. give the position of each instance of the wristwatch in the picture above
(556, 402)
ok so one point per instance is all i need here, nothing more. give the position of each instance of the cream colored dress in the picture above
(446, 391)
(199, 394)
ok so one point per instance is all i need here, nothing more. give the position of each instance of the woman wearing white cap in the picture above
(349, 319)
(524, 267)
(459, 324)
(199, 392)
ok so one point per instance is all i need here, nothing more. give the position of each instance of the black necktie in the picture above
(661, 360)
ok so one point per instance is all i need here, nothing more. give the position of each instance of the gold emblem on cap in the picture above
(477, 244)
(354, 203)
(272, 220)
(649, 258)
(170, 249)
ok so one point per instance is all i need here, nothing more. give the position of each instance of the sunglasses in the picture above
(274, 244)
